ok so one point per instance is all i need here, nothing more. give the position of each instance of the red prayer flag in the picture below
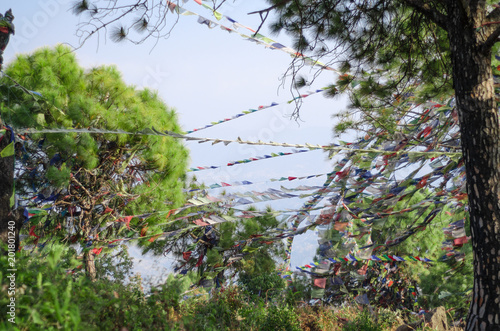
(340, 226)
(107, 210)
(363, 270)
(320, 282)
(460, 241)
(186, 255)
(336, 269)
(200, 260)
(422, 182)
(126, 220)
(152, 239)
(32, 232)
(199, 222)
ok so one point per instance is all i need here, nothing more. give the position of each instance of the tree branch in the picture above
(267, 10)
(494, 15)
(432, 14)
(492, 37)
(264, 13)
(491, 28)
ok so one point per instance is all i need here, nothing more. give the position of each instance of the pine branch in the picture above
(264, 13)
(429, 12)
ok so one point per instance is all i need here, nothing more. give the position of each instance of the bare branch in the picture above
(264, 13)
(269, 9)
(151, 20)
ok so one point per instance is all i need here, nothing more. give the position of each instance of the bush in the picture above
(280, 318)
(218, 313)
(44, 293)
(363, 321)
(267, 285)
(49, 298)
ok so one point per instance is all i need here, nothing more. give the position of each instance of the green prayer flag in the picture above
(250, 249)
(317, 293)
(13, 199)
(8, 150)
(217, 15)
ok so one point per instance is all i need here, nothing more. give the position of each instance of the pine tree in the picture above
(428, 41)
(91, 181)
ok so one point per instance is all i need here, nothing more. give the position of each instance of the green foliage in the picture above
(280, 318)
(363, 321)
(75, 98)
(115, 266)
(213, 257)
(59, 177)
(169, 294)
(121, 174)
(299, 290)
(44, 294)
(49, 298)
(264, 285)
(448, 285)
(218, 313)
(387, 35)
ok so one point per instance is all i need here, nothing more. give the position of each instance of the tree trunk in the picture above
(480, 136)
(88, 259)
(9, 218)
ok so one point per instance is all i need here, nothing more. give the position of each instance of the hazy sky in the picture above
(207, 75)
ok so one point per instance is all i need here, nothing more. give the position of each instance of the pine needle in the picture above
(141, 24)
(80, 6)
(118, 34)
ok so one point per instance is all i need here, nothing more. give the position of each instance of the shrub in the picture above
(280, 317)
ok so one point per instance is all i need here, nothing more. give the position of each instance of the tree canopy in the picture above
(85, 181)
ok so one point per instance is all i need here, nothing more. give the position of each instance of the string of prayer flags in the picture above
(297, 219)
(255, 37)
(311, 204)
(368, 198)
(316, 269)
(246, 182)
(333, 147)
(252, 159)
(28, 213)
(251, 111)
(455, 235)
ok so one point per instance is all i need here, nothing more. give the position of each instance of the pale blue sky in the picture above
(207, 75)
